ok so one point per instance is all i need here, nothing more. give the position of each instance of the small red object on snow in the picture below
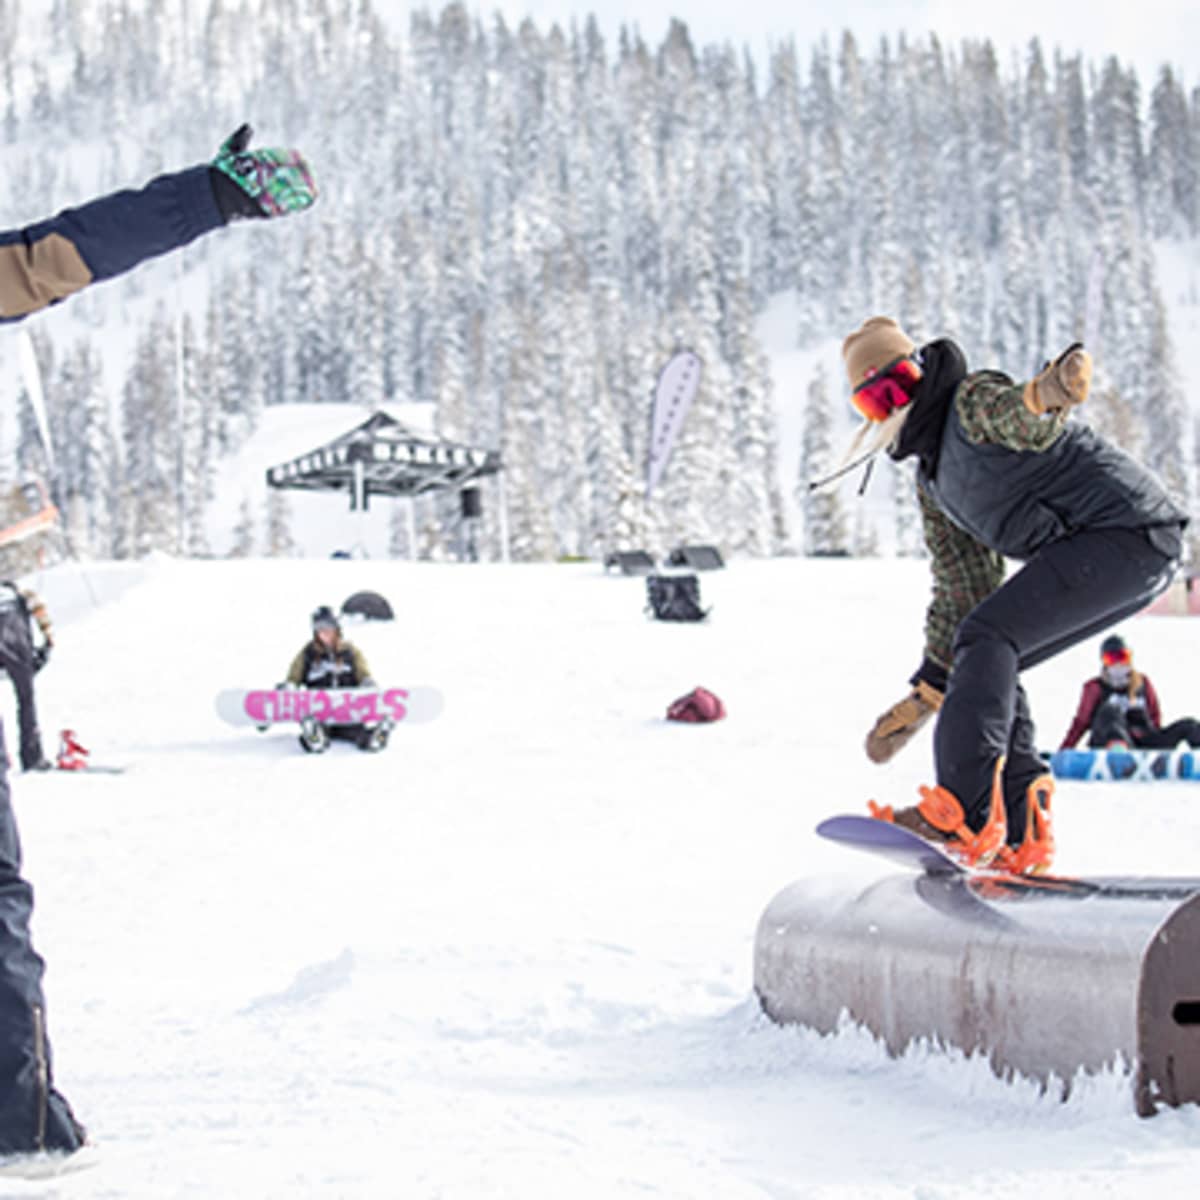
(697, 706)
(72, 756)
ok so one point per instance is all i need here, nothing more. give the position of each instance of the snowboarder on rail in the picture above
(1001, 472)
(40, 265)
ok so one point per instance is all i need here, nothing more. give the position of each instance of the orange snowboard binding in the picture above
(939, 818)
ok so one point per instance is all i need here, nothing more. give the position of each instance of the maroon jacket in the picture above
(1093, 694)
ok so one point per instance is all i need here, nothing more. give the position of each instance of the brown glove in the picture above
(894, 729)
(37, 610)
(1061, 384)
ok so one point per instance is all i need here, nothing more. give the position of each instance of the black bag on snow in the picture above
(674, 598)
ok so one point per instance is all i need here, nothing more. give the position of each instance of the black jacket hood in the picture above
(943, 368)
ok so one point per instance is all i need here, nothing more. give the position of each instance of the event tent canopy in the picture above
(381, 457)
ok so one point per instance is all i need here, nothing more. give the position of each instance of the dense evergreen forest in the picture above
(519, 224)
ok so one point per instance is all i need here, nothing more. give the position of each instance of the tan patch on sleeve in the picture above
(33, 276)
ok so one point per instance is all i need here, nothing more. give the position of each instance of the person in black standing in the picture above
(21, 660)
(41, 265)
(33, 1115)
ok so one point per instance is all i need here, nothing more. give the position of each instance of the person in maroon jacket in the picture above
(1120, 707)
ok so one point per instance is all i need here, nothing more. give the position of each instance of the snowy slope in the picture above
(511, 957)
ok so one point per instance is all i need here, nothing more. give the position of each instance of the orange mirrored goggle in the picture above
(1116, 658)
(885, 390)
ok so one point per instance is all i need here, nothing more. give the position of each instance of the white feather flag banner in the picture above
(31, 377)
(673, 395)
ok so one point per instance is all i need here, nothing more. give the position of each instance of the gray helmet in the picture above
(324, 618)
(1113, 646)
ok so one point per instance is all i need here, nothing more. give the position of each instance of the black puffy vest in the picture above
(329, 669)
(1015, 501)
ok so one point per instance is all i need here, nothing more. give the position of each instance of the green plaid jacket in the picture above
(965, 571)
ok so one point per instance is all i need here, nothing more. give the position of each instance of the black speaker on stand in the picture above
(471, 510)
(699, 558)
(630, 562)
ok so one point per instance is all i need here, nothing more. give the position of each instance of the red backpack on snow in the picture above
(698, 705)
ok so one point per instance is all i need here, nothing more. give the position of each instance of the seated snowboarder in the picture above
(328, 661)
(1119, 707)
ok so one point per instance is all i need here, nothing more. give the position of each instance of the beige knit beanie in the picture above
(880, 341)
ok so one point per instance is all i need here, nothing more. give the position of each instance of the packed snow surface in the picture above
(512, 956)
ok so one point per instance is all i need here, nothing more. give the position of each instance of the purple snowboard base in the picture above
(890, 841)
(906, 849)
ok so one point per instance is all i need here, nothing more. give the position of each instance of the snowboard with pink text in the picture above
(332, 706)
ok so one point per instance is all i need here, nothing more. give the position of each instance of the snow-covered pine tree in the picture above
(399, 542)
(558, 177)
(150, 442)
(278, 539)
(523, 452)
(245, 534)
(1166, 416)
(197, 434)
(910, 537)
(755, 524)
(1173, 194)
(86, 451)
(824, 518)
(363, 331)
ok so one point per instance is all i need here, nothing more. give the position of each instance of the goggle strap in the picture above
(862, 487)
(850, 466)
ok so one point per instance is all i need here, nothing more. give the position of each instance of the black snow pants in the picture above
(1069, 591)
(33, 1116)
(1111, 725)
(1186, 729)
(16, 659)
